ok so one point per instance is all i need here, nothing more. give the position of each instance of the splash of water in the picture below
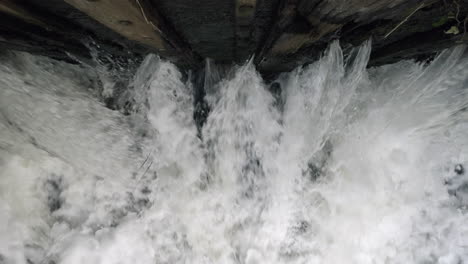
(343, 164)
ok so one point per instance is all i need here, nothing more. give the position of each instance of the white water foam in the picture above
(343, 165)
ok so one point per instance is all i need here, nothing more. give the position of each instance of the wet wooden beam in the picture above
(244, 28)
(286, 12)
(206, 25)
(125, 17)
(23, 29)
(183, 51)
(283, 34)
(303, 29)
(292, 31)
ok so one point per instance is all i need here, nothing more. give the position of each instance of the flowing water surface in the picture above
(334, 163)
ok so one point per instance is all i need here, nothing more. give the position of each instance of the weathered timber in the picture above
(279, 34)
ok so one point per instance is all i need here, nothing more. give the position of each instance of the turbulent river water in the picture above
(335, 163)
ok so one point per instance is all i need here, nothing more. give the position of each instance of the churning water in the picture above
(335, 163)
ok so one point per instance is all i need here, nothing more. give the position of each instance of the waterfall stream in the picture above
(332, 163)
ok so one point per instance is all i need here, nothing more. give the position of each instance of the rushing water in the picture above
(343, 164)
